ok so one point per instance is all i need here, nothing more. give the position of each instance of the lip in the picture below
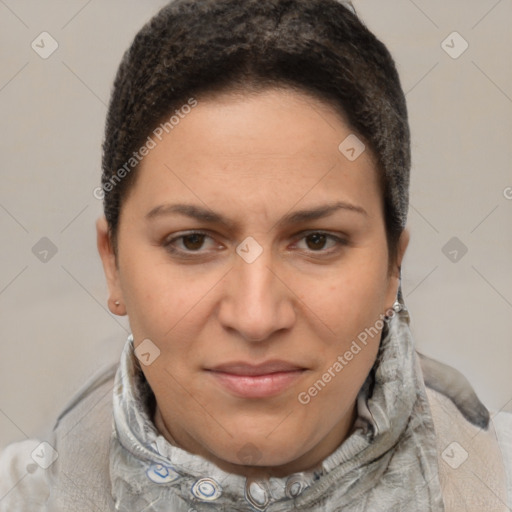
(256, 381)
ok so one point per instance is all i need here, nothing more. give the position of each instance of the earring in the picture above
(397, 306)
(117, 303)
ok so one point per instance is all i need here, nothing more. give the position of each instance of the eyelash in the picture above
(191, 254)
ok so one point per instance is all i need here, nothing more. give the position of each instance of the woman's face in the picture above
(252, 254)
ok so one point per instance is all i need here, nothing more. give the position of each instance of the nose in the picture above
(257, 301)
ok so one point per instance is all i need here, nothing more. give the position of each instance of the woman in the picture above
(255, 181)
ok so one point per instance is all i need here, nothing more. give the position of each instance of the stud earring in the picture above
(397, 306)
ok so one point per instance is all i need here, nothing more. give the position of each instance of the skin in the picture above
(254, 159)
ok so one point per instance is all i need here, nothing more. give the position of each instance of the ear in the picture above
(108, 259)
(394, 277)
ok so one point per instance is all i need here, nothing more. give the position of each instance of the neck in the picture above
(308, 461)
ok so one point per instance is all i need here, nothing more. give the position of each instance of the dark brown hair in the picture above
(198, 47)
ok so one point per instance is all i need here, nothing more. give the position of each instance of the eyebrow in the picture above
(209, 216)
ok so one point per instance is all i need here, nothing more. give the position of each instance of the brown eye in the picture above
(193, 242)
(321, 243)
(317, 241)
(193, 245)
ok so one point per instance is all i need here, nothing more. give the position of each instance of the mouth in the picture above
(256, 381)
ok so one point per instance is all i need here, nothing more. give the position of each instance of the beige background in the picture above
(55, 330)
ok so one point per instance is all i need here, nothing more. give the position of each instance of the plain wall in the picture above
(55, 328)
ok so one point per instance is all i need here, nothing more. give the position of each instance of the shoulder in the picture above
(474, 448)
(81, 436)
(503, 425)
(54, 474)
(23, 482)
(471, 461)
(502, 422)
(96, 388)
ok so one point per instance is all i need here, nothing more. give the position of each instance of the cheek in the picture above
(159, 296)
(352, 308)
(352, 299)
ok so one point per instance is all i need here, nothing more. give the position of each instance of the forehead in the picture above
(273, 149)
